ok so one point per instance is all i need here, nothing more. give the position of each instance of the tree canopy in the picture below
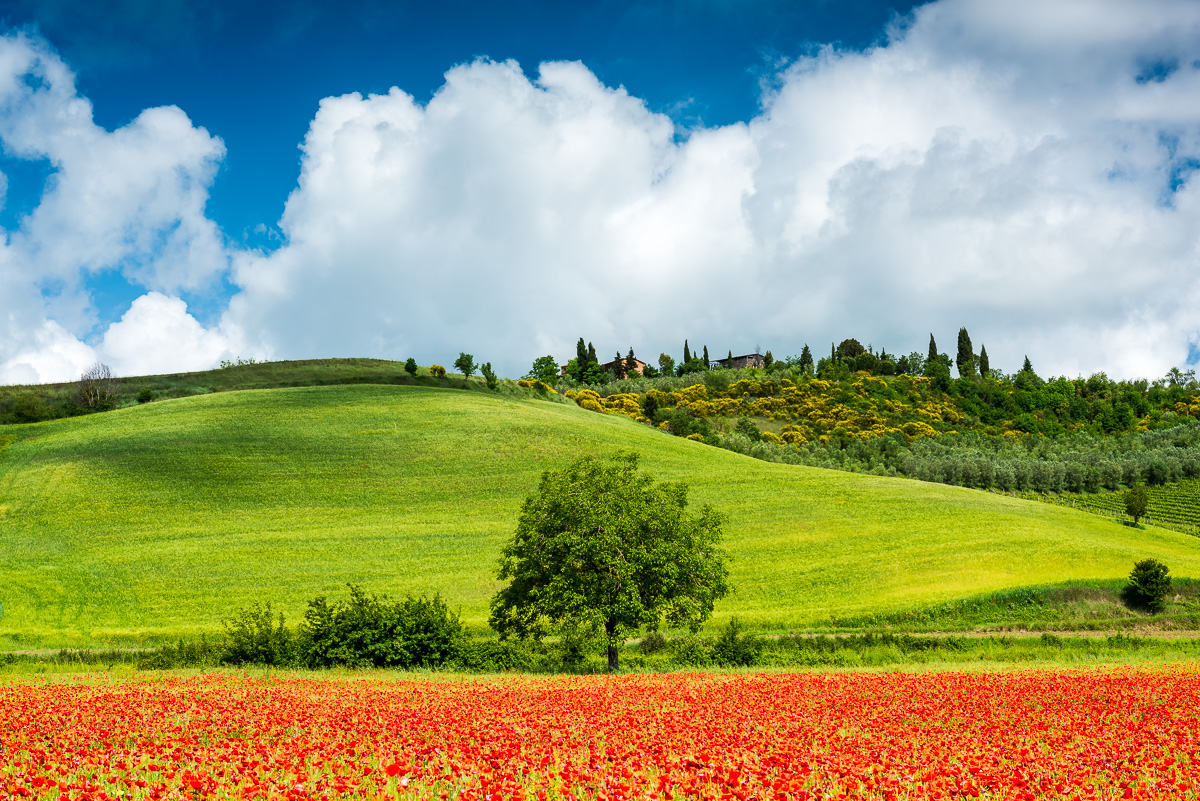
(604, 547)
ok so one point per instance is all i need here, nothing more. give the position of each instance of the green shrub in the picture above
(496, 656)
(653, 642)
(691, 651)
(410, 366)
(370, 631)
(145, 395)
(736, 648)
(489, 375)
(1148, 585)
(252, 638)
(29, 408)
(183, 655)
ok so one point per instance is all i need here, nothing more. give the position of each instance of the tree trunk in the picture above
(610, 627)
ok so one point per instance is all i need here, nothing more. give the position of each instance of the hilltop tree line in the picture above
(867, 411)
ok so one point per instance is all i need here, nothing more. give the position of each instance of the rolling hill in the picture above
(158, 521)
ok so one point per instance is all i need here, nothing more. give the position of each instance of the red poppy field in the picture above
(1114, 733)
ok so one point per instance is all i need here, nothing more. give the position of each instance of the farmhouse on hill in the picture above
(739, 362)
(638, 366)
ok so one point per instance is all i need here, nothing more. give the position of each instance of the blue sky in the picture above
(741, 174)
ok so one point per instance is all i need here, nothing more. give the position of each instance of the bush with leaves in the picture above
(437, 371)
(372, 631)
(1149, 585)
(410, 366)
(736, 648)
(489, 375)
(254, 638)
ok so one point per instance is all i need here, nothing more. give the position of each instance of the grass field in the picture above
(158, 521)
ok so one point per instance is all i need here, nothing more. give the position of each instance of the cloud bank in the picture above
(1025, 170)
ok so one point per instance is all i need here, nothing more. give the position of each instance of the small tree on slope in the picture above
(601, 546)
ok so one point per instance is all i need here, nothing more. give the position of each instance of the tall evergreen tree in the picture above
(687, 354)
(729, 363)
(581, 352)
(591, 355)
(933, 351)
(806, 360)
(618, 367)
(1027, 367)
(630, 362)
(706, 357)
(984, 367)
(966, 354)
(833, 353)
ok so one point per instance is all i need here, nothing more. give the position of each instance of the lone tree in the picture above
(465, 363)
(603, 547)
(1149, 584)
(985, 367)
(1136, 501)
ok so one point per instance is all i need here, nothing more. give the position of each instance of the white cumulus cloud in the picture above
(128, 202)
(1025, 169)
(1019, 168)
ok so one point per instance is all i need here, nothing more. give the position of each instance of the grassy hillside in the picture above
(160, 520)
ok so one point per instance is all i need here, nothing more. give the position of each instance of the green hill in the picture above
(160, 520)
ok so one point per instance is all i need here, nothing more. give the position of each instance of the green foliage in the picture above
(145, 395)
(437, 371)
(252, 637)
(369, 631)
(1149, 584)
(29, 408)
(602, 547)
(985, 367)
(544, 369)
(465, 364)
(410, 366)
(965, 361)
(736, 648)
(806, 360)
(489, 375)
(1136, 501)
(747, 428)
(849, 349)
(666, 365)
(768, 360)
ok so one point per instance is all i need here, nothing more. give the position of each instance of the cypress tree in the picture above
(618, 366)
(806, 360)
(966, 354)
(591, 354)
(1027, 367)
(630, 364)
(687, 354)
(729, 364)
(581, 356)
(984, 368)
(933, 351)
(706, 357)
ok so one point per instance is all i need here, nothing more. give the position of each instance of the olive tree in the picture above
(604, 547)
